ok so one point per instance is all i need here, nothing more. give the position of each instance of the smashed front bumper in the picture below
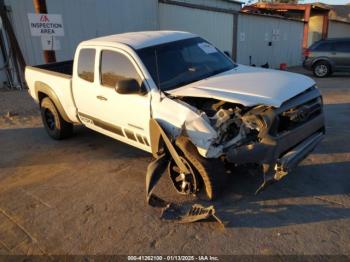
(284, 143)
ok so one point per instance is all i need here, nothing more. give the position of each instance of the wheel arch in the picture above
(43, 90)
(323, 59)
(161, 143)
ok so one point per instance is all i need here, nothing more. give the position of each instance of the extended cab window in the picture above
(115, 67)
(86, 64)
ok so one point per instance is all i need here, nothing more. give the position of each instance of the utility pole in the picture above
(40, 8)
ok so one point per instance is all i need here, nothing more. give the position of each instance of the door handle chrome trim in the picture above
(102, 98)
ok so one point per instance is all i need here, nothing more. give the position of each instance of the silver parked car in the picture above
(327, 56)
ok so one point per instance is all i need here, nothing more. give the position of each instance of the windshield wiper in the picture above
(213, 73)
(216, 72)
(183, 83)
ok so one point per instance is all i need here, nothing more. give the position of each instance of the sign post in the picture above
(50, 43)
(47, 26)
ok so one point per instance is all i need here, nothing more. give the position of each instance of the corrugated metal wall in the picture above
(83, 19)
(216, 27)
(255, 32)
(86, 19)
(3, 76)
(30, 46)
(338, 29)
(8, 74)
(233, 6)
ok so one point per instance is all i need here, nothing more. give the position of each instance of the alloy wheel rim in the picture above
(184, 184)
(321, 70)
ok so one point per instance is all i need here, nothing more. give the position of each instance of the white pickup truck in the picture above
(177, 96)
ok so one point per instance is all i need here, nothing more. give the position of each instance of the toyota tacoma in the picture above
(177, 96)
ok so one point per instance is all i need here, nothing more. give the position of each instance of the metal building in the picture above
(338, 29)
(251, 39)
(215, 20)
(339, 21)
(3, 73)
(315, 16)
(267, 39)
(82, 19)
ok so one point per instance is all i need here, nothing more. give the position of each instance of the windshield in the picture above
(182, 62)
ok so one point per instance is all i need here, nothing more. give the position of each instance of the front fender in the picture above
(160, 144)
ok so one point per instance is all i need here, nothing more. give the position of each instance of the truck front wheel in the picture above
(184, 184)
(55, 125)
(208, 173)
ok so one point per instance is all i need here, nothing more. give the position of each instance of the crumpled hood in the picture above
(248, 86)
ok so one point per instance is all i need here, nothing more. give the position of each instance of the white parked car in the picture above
(177, 96)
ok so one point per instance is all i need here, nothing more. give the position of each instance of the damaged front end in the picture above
(217, 131)
(214, 131)
(275, 138)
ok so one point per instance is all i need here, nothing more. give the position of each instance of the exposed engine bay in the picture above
(234, 125)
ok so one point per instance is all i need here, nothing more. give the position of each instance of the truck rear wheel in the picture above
(209, 173)
(55, 125)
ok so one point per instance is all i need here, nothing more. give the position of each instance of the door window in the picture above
(115, 67)
(325, 46)
(343, 47)
(86, 64)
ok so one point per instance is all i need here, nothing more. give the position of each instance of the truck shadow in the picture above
(337, 130)
(32, 146)
(312, 193)
(301, 70)
(258, 215)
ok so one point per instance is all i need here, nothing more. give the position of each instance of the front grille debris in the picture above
(196, 212)
(170, 211)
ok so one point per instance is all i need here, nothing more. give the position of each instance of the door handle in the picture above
(102, 98)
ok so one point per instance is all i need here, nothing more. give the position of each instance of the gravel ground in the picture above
(85, 195)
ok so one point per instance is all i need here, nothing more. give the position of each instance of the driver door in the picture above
(122, 116)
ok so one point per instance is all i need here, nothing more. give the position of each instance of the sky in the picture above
(331, 2)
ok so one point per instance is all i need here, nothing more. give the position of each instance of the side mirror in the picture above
(128, 87)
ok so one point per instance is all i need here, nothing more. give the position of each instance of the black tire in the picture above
(211, 171)
(322, 69)
(54, 124)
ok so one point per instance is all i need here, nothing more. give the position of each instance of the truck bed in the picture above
(54, 79)
(64, 67)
